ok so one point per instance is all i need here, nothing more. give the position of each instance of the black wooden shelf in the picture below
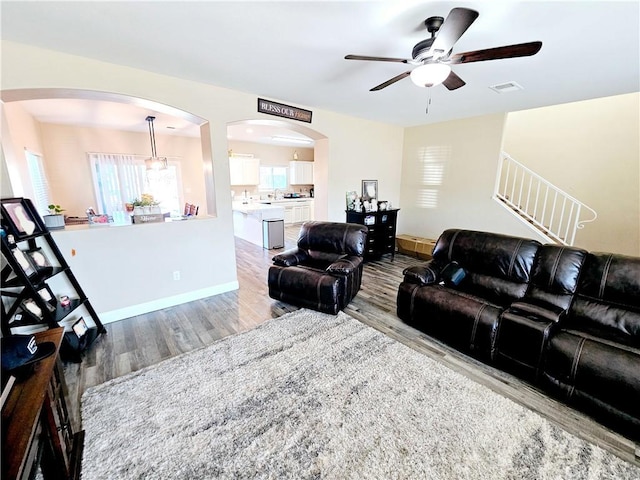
(381, 231)
(24, 281)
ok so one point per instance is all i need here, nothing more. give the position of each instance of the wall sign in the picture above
(282, 110)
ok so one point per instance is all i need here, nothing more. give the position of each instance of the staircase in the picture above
(550, 211)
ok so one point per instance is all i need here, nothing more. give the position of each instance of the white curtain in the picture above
(41, 197)
(118, 179)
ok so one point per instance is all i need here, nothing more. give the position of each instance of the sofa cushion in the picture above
(499, 266)
(555, 274)
(599, 377)
(333, 237)
(608, 296)
(458, 318)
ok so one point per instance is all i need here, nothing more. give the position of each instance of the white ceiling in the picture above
(294, 51)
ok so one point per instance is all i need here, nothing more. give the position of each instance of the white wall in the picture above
(590, 149)
(19, 132)
(448, 176)
(358, 149)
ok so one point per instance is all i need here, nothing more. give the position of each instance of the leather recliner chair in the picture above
(324, 271)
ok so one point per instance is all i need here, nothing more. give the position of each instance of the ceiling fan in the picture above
(433, 56)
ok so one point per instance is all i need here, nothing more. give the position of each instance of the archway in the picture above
(320, 147)
(13, 154)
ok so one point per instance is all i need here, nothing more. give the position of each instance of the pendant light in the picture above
(154, 162)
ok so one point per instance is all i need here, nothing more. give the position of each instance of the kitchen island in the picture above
(248, 218)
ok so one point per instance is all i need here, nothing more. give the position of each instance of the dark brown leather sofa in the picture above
(566, 320)
(324, 271)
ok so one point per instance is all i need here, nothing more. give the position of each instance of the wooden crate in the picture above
(419, 247)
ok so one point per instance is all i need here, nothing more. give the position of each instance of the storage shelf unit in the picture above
(381, 235)
(31, 261)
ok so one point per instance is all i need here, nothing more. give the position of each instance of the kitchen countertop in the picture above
(287, 200)
(266, 211)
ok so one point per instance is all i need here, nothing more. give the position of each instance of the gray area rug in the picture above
(310, 395)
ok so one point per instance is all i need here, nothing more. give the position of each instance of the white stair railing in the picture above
(545, 207)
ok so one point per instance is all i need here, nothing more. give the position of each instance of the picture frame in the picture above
(80, 328)
(25, 262)
(369, 190)
(351, 197)
(31, 307)
(47, 295)
(39, 260)
(19, 217)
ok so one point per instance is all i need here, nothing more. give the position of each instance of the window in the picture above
(118, 179)
(273, 177)
(38, 181)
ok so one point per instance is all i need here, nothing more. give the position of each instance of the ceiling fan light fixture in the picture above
(430, 74)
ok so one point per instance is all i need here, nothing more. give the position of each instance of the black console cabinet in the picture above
(381, 238)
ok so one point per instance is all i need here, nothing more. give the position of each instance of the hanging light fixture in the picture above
(154, 162)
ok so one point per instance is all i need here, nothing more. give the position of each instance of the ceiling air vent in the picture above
(506, 87)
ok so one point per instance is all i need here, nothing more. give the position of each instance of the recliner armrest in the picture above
(291, 257)
(425, 274)
(544, 311)
(345, 265)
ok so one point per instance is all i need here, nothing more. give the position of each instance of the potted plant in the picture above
(55, 219)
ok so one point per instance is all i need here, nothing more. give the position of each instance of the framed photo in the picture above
(29, 305)
(39, 260)
(369, 190)
(80, 327)
(19, 217)
(24, 261)
(47, 295)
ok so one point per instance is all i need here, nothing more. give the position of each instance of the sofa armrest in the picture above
(425, 274)
(291, 257)
(345, 265)
(545, 311)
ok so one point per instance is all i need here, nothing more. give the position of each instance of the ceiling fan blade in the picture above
(390, 81)
(375, 59)
(456, 23)
(453, 81)
(508, 51)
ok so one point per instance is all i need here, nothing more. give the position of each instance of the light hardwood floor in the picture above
(145, 340)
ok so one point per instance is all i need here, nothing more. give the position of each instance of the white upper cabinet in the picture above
(244, 171)
(300, 173)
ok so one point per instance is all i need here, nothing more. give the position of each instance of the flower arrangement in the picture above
(145, 200)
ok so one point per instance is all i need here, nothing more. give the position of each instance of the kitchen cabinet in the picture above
(300, 173)
(244, 171)
(298, 212)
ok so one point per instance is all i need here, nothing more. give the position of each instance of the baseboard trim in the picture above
(142, 308)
